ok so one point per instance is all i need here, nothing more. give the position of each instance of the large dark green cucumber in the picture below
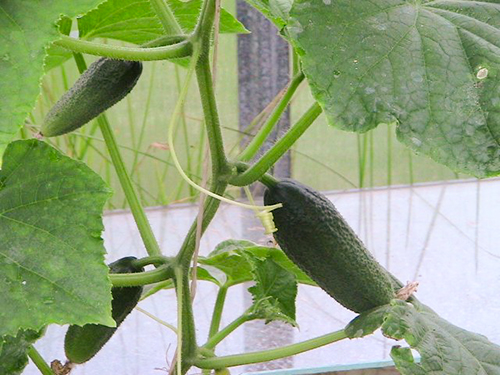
(317, 238)
(82, 343)
(101, 86)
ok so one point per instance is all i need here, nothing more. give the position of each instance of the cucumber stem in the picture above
(256, 171)
(217, 313)
(155, 260)
(135, 206)
(167, 19)
(270, 354)
(182, 49)
(39, 361)
(141, 278)
(223, 333)
(165, 40)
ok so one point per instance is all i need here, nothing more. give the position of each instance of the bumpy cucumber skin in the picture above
(102, 85)
(83, 343)
(317, 238)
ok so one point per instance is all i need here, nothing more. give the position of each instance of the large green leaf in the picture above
(433, 67)
(134, 21)
(27, 28)
(52, 266)
(444, 348)
(274, 292)
(13, 351)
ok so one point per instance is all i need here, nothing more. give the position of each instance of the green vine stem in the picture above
(259, 139)
(223, 333)
(141, 220)
(39, 361)
(155, 260)
(270, 354)
(201, 42)
(220, 165)
(182, 49)
(186, 332)
(267, 179)
(217, 313)
(256, 171)
(135, 206)
(165, 40)
(166, 17)
(141, 278)
(165, 284)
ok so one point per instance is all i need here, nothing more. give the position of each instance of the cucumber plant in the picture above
(428, 67)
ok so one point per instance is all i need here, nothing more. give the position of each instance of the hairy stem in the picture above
(166, 17)
(135, 206)
(39, 361)
(173, 51)
(256, 171)
(186, 333)
(201, 42)
(217, 313)
(267, 179)
(223, 333)
(270, 354)
(220, 165)
(259, 139)
(155, 260)
(141, 278)
(165, 40)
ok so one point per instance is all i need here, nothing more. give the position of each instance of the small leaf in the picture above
(367, 323)
(405, 363)
(431, 67)
(27, 29)
(135, 21)
(274, 292)
(13, 351)
(235, 259)
(52, 266)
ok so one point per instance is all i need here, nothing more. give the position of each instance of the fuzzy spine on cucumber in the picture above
(83, 343)
(317, 238)
(102, 85)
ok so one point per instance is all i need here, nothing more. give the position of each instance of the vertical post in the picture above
(263, 70)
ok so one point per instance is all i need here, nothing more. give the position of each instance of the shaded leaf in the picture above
(367, 323)
(432, 67)
(13, 351)
(135, 21)
(52, 266)
(444, 348)
(274, 292)
(27, 29)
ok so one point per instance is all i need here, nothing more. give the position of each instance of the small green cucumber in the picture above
(81, 343)
(102, 85)
(317, 238)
